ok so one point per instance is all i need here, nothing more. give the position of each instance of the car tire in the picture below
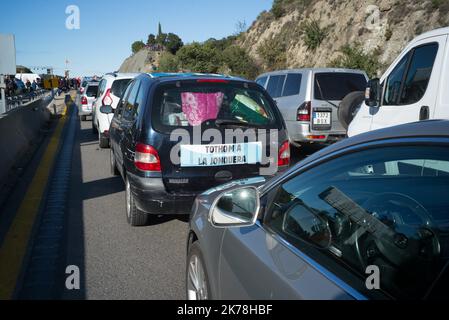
(103, 141)
(114, 170)
(199, 288)
(349, 107)
(134, 216)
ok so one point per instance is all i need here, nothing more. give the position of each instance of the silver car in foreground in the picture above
(366, 218)
(309, 100)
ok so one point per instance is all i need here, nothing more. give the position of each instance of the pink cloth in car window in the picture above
(200, 107)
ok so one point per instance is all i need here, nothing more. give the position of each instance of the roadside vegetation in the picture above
(212, 56)
(353, 57)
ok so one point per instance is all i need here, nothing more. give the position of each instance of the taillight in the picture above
(107, 100)
(146, 158)
(304, 111)
(83, 100)
(284, 154)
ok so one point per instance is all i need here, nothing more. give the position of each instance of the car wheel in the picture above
(349, 107)
(135, 217)
(114, 170)
(103, 141)
(197, 282)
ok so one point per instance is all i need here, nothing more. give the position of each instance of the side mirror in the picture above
(106, 109)
(373, 93)
(236, 208)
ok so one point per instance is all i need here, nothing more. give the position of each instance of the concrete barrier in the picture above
(18, 130)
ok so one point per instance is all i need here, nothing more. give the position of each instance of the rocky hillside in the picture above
(312, 33)
(143, 61)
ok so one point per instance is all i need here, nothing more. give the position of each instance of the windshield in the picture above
(223, 104)
(335, 86)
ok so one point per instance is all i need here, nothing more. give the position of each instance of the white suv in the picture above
(112, 86)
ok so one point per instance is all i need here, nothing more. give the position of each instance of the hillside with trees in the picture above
(362, 34)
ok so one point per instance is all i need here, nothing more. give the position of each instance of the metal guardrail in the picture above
(21, 99)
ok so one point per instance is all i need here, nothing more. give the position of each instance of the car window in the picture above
(262, 81)
(92, 91)
(119, 86)
(275, 85)
(192, 105)
(292, 85)
(419, 73)
(334, 86)
(102, 87)
(387, 208)
(140, 100)
(128, 108)
(121, 104)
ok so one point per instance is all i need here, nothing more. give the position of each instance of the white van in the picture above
(413, 88)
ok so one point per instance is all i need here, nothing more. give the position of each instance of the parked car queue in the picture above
(313, 230)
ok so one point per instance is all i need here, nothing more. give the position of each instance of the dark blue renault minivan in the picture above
(173, 136)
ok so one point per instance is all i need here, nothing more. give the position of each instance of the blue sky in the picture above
(108, 28)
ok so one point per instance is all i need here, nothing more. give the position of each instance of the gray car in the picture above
(309, 99)
(366, 218)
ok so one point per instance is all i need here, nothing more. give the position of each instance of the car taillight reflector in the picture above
(146, 158)
(316, 137)
(284, 154)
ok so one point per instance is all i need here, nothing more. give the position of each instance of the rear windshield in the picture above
(119, 87)
(92, 91)
(211, 104)
(335, 86)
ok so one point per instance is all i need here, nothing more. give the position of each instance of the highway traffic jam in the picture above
(313, 183)
(364, 218)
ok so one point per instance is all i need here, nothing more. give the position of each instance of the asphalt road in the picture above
(117, 261)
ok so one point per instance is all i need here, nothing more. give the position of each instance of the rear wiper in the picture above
(223, 122)
(322, 95)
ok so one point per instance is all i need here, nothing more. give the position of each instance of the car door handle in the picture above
(424, 113)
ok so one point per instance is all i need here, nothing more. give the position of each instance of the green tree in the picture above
(198, 57)
(161, 39)
(278, 8)
(137, 46)
(239, 62)
(151, 40)
(159, 29)
(168, 63)
(173, 43)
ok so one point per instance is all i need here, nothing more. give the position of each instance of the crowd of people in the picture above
(16, 86)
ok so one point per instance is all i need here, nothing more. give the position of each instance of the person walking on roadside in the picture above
(28, 85)
(34, 86)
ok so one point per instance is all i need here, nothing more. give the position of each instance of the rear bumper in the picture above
(152, 198)
(300, 132)
(84, 111)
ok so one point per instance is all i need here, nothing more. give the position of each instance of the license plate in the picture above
(221, 154)
(321, 118)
